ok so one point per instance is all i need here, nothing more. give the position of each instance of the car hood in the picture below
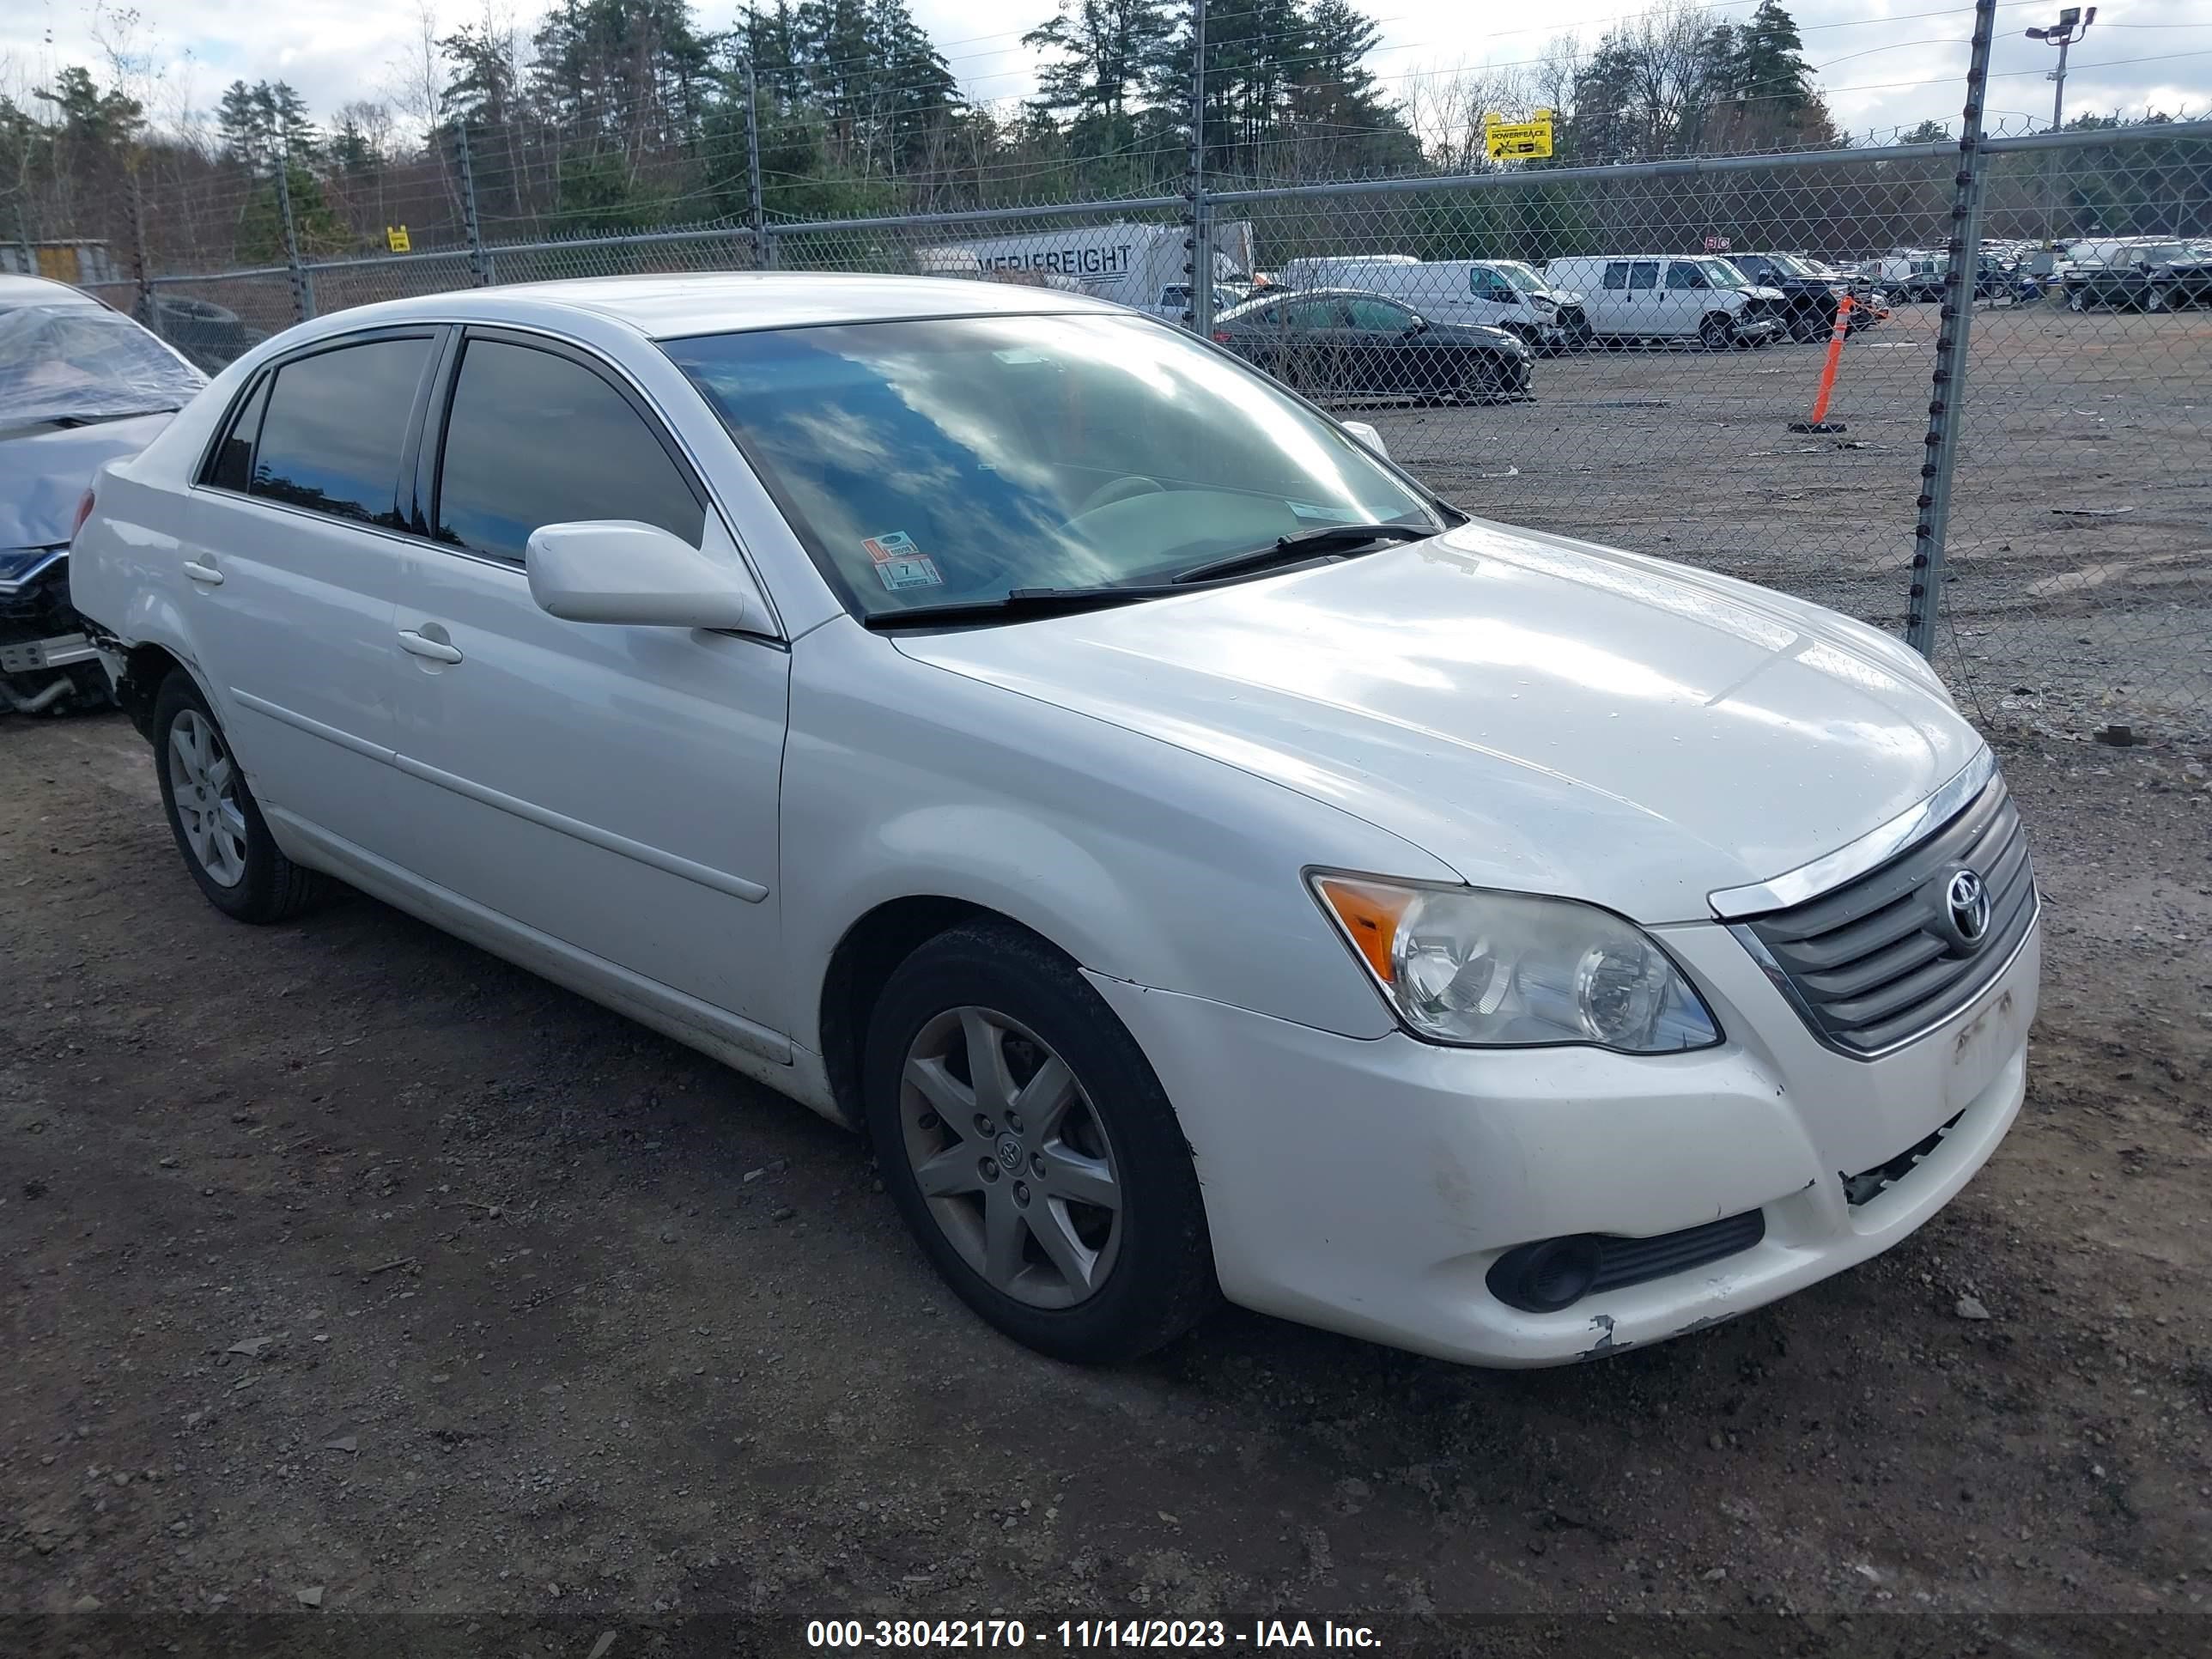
(43, 474)
(1541, 715)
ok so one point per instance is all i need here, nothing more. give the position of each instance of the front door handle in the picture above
(203, 573)
(423, 645)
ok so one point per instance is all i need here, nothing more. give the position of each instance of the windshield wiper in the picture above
(1305, 544)
(1020, 601)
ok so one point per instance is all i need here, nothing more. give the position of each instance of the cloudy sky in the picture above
(1884, 63)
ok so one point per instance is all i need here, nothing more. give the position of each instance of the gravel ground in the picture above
(348, 1265)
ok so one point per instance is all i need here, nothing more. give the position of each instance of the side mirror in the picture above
(1369, 436)
(616, 570)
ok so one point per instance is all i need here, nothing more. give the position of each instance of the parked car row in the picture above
(2140, 275)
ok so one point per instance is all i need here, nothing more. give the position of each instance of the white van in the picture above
(1911, 274)
(1644, 297)
(1499, 293)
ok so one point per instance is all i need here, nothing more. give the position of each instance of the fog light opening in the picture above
(1546, 1277)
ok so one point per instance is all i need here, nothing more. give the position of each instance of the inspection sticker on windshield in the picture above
(899, 564)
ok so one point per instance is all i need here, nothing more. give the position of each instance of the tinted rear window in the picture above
(336, 424)
(234, 461)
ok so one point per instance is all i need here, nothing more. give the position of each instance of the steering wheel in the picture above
(1121, 489)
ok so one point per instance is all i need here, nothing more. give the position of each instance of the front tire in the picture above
(1031, 1150)
(212, 813)
(1481, 379)
(1716, 332)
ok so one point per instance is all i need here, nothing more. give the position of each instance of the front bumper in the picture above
(1762, 327)
(1368, 1185)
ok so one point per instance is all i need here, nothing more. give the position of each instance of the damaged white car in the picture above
(80, 385)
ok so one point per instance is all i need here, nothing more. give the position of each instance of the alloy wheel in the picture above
(204, 784)
(1012, 1158)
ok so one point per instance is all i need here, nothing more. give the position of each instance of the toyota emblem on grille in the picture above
(1966, 910)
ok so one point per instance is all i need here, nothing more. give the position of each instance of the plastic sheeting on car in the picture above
(71, 364)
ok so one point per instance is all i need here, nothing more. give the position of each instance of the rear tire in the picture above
(219, 829)
(1008, 1218)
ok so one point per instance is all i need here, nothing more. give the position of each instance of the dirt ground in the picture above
(347, 1265)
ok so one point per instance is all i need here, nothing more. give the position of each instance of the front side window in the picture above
(1683, 274)
(924, 463)
(334, 425)
(535, 439)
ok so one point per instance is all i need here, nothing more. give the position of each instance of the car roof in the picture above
(667, 307)
(16, 291)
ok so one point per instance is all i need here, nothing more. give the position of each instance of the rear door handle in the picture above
(423, 645)
(203, 573)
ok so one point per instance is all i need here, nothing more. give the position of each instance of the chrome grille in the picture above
(1874, 963)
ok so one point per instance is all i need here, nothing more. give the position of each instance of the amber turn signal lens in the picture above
(1369, 916)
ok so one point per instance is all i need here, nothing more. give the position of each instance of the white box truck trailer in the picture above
(1142, 266)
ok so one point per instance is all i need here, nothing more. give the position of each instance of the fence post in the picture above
(1201, 214)
(756, 203)
(479, 260)
(135, 206)
(1946, 400)
(303, 293)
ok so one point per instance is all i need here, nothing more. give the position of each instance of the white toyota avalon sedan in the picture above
(1200, 859)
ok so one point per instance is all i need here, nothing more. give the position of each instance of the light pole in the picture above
(2072, 25)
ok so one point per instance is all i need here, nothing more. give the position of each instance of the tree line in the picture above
(622, 115)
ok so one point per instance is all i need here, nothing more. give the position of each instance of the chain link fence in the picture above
(1656, 356)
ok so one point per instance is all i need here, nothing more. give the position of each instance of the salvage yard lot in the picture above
(2103, 609)
(343, 1258)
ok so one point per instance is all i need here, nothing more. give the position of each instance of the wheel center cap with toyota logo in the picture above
(1963, 911)
(1009, 1152)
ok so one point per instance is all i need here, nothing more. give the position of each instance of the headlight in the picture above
(20, 564)
(1501, 971)
(1543, 302)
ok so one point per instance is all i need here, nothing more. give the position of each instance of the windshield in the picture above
(1523, 277)
(72, 362)
(1790, 265)
(1721, 274)
(955, 460)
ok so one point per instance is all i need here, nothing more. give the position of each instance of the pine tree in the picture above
(1102, 49)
